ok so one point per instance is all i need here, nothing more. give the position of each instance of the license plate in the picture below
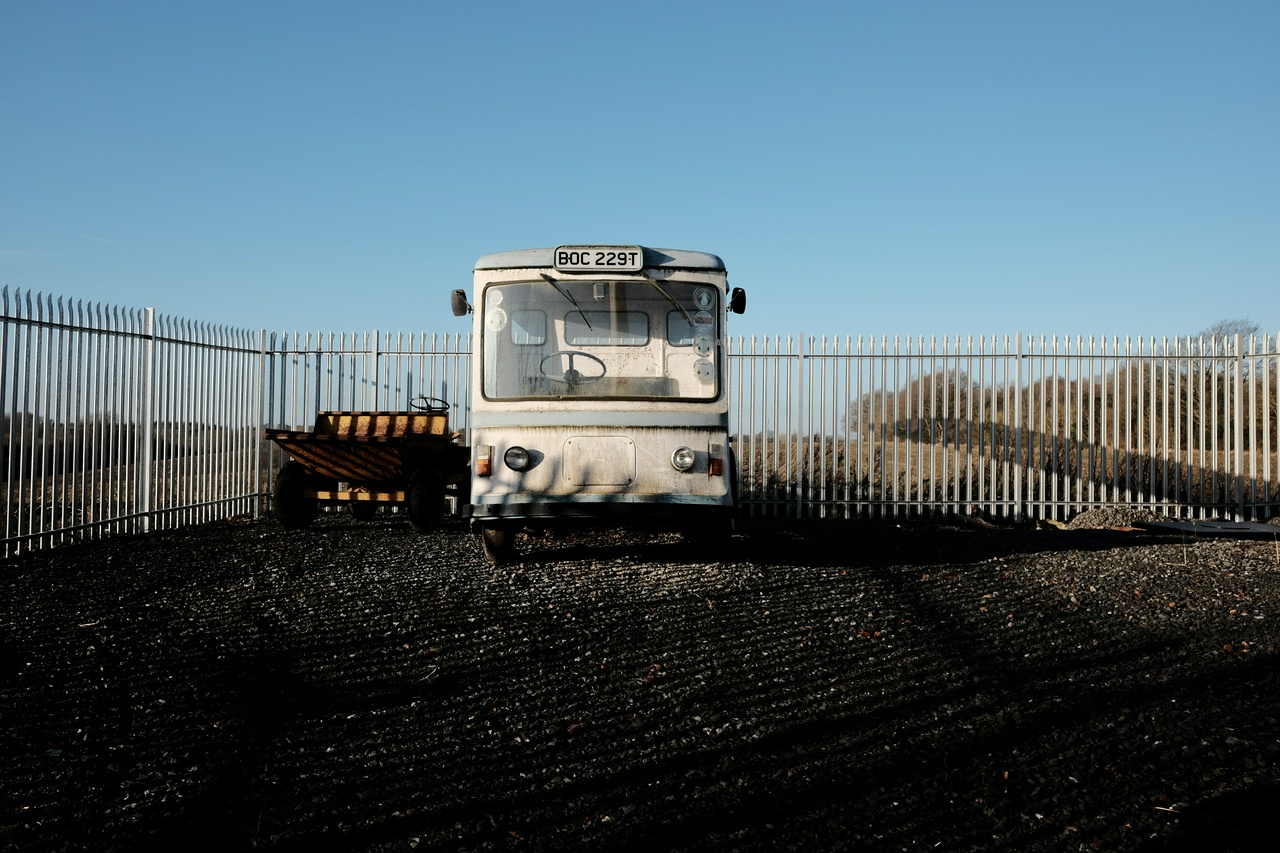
(598, 258)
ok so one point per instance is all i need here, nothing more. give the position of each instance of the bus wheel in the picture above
(499, 544)
(425, 499)
(289, 501)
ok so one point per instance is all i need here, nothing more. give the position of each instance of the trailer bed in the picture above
(366, 459)
(367, 447)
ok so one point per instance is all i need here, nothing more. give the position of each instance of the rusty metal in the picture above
(373, 449)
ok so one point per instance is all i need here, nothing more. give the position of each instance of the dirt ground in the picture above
(805, 686)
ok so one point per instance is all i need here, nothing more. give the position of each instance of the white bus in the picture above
(599, 393)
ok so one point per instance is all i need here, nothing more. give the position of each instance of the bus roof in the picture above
(675, 258)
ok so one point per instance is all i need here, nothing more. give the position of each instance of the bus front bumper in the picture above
(682, 514)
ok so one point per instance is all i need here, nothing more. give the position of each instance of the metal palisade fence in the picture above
(1014, 426)
(119, 420)
(123, 420)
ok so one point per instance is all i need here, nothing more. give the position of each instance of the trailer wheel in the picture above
(499, 544)
(425, 499)
(292, 507)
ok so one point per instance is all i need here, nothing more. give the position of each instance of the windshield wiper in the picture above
(671, 299)
(567, 295)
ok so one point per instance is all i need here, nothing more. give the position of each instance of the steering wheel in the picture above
(429, 404)
(571, 376)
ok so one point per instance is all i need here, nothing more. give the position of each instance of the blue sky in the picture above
(887, 168)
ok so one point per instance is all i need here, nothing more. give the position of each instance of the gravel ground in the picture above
(815, 686)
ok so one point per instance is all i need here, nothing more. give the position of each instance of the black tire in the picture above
(499, 544)
(289, 502)
(733, 492)
(362, 510)
(425, 499)
(710, 538)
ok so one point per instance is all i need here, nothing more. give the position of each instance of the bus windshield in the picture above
(605, 339)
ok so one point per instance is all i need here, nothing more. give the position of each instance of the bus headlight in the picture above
(682, 459)
(517, 458)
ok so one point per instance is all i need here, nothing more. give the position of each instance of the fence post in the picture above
(1237, 414)
(1017, 430)
(261, 425)
(148, 415)
(377, 367)
(6, 453)
(802, 462)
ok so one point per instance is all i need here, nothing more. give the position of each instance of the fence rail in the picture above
(121, 420)
(1014, 426)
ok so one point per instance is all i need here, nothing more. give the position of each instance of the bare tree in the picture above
(1219, 339)
(1228, 329)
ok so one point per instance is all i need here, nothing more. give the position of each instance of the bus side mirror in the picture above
(738, 301)
(461, 307)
